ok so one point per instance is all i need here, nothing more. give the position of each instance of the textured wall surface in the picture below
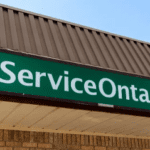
(25, 140)
(31, 33)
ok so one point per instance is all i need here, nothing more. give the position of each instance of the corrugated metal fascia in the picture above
(70, 23)
(29, 33)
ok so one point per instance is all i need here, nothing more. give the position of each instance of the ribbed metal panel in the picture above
(26, 32)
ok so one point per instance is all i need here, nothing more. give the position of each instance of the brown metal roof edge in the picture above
(74, 24)
(74, 63)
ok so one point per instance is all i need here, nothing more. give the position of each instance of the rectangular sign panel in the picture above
(53, 79)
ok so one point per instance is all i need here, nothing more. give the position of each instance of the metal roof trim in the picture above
(74, 24)
(76, 63)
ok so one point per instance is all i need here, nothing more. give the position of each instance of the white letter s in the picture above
(7, 71)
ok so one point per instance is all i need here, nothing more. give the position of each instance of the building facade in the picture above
(32, 120)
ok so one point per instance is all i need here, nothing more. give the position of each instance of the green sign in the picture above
(53, 79)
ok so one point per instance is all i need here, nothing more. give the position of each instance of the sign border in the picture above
(72, 103)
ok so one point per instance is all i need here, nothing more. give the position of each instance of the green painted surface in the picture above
(136, 92)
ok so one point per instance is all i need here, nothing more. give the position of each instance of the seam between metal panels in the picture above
(74, 24)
